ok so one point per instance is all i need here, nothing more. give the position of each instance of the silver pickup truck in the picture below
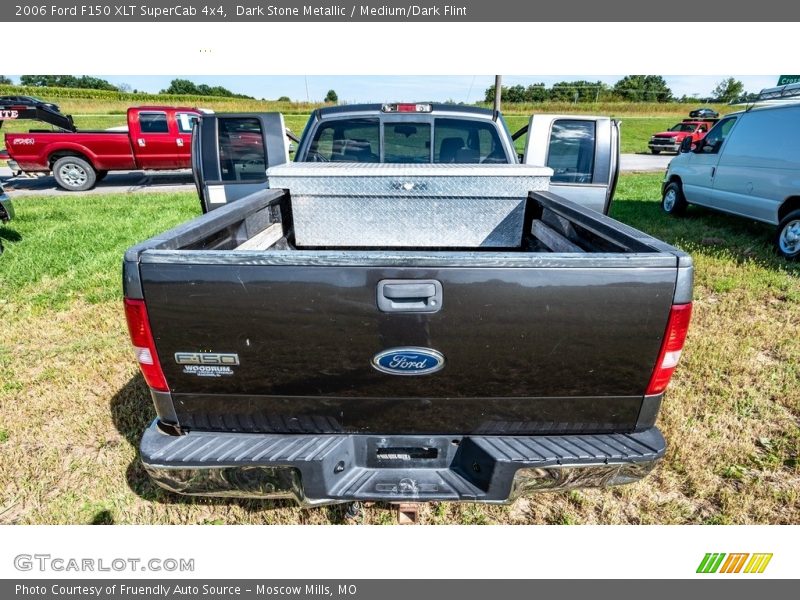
(582, 151)
(405, 313)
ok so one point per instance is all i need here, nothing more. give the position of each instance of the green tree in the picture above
(37, 80)
(331, 96)
(643, 88)
(284, 99)
(67, 81)
(93, 83)
(536, 92)
(578, 91)
(5, 80)
(516, 93)
(184, 87)
(564, 91)
(181, 87)
(728, 89)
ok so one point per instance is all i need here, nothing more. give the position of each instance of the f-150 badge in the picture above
(207, 364)
(408, 361)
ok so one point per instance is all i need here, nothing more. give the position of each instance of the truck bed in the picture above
(557, 334)
(108, 150)
(354, 328)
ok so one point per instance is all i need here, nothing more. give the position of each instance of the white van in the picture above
(747, 165)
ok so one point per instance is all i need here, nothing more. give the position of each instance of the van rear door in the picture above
(231, 154)
(583, 152)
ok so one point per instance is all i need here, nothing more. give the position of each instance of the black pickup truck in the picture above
(366, 326)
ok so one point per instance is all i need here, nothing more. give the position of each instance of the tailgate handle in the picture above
(407, 291)
(409, 295)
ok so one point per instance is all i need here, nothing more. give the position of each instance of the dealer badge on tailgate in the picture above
(207, 364)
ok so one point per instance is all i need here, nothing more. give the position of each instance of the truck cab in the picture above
(583, 151)
(161, 136)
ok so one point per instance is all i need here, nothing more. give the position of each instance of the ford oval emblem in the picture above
(408, 361)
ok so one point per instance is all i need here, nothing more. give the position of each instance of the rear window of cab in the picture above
(439, 140)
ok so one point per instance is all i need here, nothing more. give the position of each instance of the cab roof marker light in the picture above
(406, 108)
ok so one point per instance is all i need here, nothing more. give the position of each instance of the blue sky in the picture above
(381, 88)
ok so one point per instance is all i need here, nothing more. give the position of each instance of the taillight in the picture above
(143, 345)
(671, 346)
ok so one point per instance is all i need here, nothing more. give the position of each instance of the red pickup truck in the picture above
(156, 138)
(671, 139)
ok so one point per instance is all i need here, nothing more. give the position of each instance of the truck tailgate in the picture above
(528, 349)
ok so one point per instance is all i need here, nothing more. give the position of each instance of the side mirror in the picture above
(686, 144)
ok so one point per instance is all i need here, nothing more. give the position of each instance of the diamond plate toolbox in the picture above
(427, 205)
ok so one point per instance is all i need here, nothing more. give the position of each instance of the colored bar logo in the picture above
(719, 562)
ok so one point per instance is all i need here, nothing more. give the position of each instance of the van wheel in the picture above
(655, 150)
(74, 174)
(788, 236)
(674, 202)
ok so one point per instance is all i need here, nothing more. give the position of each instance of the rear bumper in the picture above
(323, 469)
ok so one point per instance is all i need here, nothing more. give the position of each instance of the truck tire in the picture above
(674, 202)
(655, 150)
(787, 238)
(74, 174)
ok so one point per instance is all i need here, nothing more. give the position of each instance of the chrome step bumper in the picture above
(321, 469)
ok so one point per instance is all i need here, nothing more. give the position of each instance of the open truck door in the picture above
(583, 152)
(231, 154)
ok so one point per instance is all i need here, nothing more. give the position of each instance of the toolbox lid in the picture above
(345, 169)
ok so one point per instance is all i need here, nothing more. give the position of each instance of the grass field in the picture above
(636, 131)
(73, 407)
(640, 120)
